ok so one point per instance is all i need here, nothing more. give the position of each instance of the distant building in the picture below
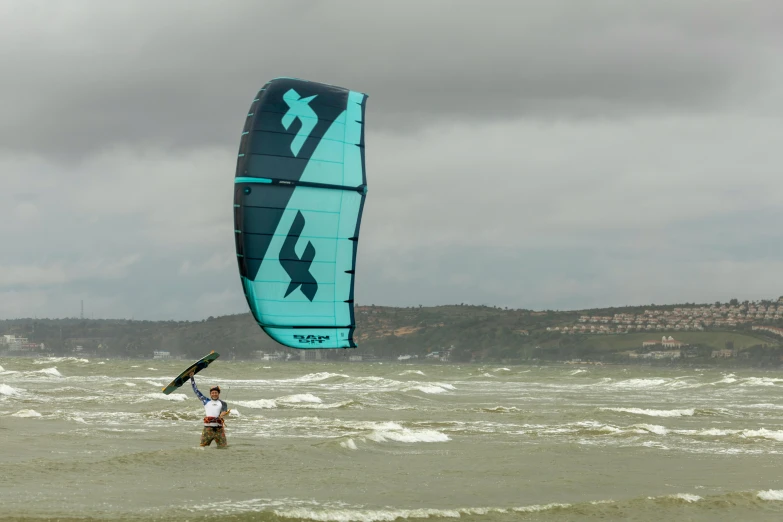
(771, 329)
(277, 356)
(18, 344)
(667, 354)
(666, 342)
(310, 355)
(670, 342)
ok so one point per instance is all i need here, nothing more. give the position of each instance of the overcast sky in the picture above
(532, 154)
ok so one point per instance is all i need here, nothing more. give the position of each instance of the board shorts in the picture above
(217, 433)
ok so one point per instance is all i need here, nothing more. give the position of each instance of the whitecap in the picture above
(49, 371)
(8, 390)
(314, 377)
(765, 405)
(771, 494)
(727, 379)
(49, 360)
(343, 512)
(541, 507)
(302, 397)
(502, 409)
(651, 428)
(715, 432)
(163, 396)
(329, 406)
(378, 380)
(427, 389)
(258, 404)
(760, 381)
(636, 384)
(655, 413)
(764, 434)
(26, 414)
(687, 497)
(408, 435)
(597, 426)
(349, 444)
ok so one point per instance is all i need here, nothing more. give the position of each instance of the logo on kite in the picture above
(298, 269)
(311, 339)
(299, 108)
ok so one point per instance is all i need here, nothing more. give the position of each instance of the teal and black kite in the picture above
(299, 192)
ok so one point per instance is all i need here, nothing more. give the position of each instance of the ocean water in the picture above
(94, 439)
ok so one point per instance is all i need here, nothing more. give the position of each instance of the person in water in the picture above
(215, 410)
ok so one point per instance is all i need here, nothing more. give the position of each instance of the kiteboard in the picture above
(195, 368)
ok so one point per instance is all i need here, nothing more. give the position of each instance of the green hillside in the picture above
(468, 333)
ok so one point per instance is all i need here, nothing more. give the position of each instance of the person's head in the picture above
(214, 393)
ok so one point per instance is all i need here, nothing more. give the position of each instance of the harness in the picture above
(210, 420)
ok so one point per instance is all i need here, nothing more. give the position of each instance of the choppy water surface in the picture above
(95, 439)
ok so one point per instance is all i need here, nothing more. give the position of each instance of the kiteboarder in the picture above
(215, 410)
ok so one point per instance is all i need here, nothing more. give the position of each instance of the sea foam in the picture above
(26, 414)
(654, 413)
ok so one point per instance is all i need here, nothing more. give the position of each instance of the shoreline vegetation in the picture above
(732, 334)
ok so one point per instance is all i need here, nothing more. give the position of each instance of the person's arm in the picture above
(200, 395)
(224, 410)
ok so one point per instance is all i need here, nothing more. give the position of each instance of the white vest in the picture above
(213, 409)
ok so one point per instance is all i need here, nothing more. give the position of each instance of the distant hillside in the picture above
(468, 333)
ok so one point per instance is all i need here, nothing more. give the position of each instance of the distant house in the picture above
(771, 329)
(670, 342)
(666, 342)
(18, 344)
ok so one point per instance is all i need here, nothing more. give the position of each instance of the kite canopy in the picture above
(299, 191)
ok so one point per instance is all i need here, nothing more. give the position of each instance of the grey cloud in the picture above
(181, 74)
(524, 154)
(584, 214)
(152, 286)
(684, 262)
